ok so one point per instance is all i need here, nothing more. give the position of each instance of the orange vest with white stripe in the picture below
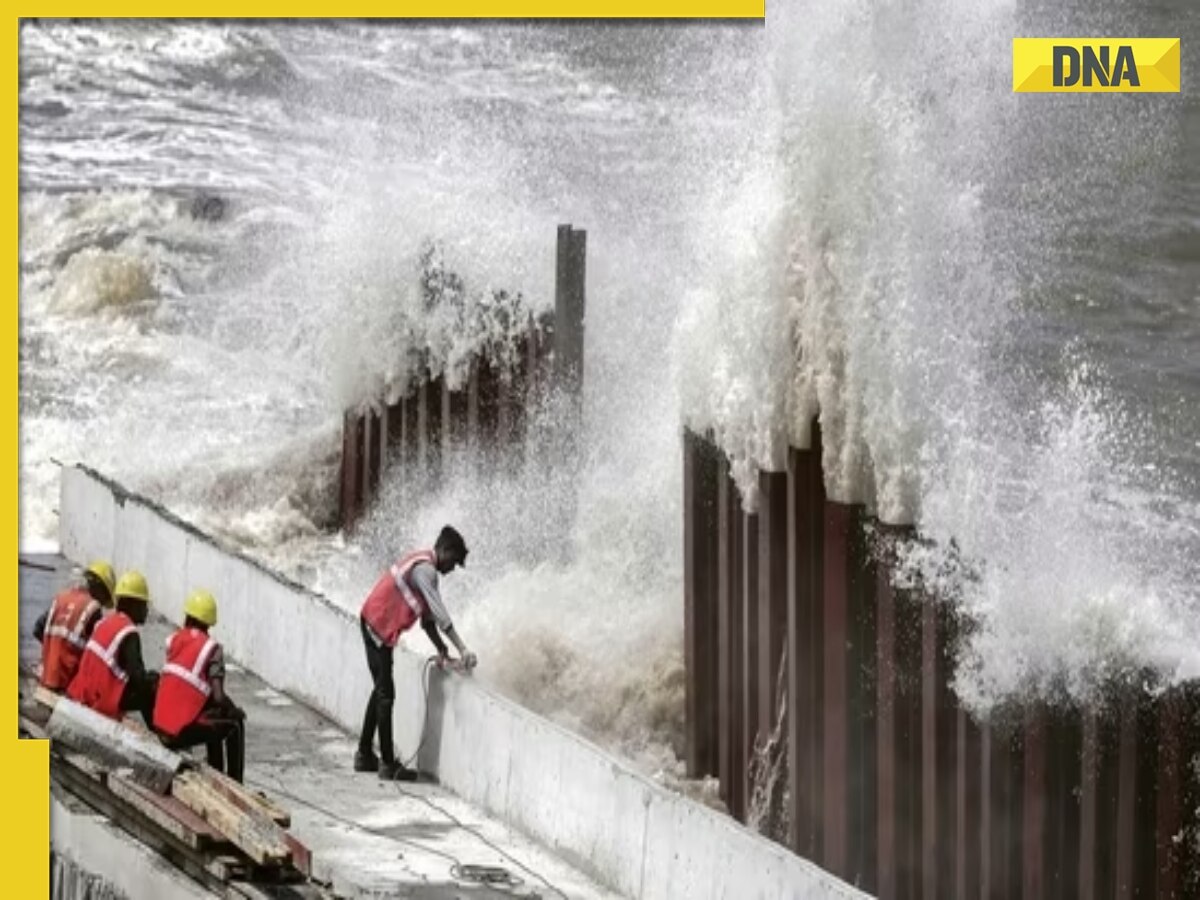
(183, 686)
(391, 608)
(63, 640)
(101, 681)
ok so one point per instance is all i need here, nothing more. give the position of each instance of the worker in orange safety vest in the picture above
(405, 594)
(65, 628)
(112, 678)
(192, 707)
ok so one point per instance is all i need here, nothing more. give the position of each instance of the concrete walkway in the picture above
(368, 838)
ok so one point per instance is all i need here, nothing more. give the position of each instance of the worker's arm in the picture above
(90, 625)
(424, 577)
(39, 627)
(129, 658)
(216, 678)
(429, 625)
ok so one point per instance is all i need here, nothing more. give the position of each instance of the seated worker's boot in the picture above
(395, 771)
(366, 762)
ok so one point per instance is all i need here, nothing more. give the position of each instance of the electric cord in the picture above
(456, 865)
(490, 875)
(425, 670)
(425, 686)
(476, 834)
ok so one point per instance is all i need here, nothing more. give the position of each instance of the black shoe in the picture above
(366, 762)
(396, 772)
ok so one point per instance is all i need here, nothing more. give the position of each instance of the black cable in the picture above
(426, 669)
(456, 865)
(425, 685)
(482, 839)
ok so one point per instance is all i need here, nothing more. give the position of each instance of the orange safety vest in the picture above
(101, 681)
(391, 608)
(63, 640)
(183, 686)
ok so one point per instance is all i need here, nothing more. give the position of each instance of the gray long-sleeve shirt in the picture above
(424, 578)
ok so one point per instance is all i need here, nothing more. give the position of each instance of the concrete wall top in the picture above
(628, 832)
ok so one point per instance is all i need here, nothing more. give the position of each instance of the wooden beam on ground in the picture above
(246, 799)
(167, 813)
(255, 834)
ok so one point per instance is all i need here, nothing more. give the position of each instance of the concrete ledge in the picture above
(629, 833)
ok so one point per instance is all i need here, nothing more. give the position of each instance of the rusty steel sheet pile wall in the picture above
(490, 410)
(892, 785)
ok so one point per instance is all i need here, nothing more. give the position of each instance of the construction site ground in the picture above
(368, 838)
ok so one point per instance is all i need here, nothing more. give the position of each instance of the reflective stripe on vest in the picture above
(192, 676)
(100, 682)
(63, 638)
(108, 655)
(184, 689)
(73, 635)
(400, 576)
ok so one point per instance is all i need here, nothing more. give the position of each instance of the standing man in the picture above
(405, 594)
(65, 628)
(191, 706)
(112, 679)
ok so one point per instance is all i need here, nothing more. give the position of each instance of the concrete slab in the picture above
(369, 839)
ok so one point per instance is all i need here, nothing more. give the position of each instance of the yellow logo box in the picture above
(1085, 65)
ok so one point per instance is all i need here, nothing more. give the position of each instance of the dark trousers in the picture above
(383, 696)
(139, 697)
(224, 738)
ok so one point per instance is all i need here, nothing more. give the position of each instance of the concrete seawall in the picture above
(629, 833)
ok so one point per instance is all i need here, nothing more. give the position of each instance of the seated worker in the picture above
(192, 707)
(64, 629)
(405, 593)
(112, 679)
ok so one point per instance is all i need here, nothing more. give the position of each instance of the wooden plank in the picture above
(301, 855)
(167, 813)
(228, 868)
(257, 836)
(245, 799)
(75, 783)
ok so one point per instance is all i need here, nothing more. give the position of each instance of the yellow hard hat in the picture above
(133, 585)
(104, 572)
(201, 606)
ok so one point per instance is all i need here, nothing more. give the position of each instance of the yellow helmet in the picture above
(201, 606)
(132, 584)
(104, 572)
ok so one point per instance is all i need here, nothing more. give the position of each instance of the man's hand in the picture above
(469, 660)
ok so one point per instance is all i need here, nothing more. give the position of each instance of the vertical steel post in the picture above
(700, 534)
(835, 725)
